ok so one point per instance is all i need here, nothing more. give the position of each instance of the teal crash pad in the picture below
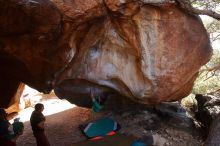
(100, 127)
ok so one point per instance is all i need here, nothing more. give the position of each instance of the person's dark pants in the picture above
(6, 142)
(41, 139)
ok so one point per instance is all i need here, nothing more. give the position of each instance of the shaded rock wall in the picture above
(213, 137)
(147, 52)
(14, 105)
(208, 114)
(208, 109)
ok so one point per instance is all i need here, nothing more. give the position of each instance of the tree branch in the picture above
(187, 6)
(212, 68)
(215, 38)
(206, 12)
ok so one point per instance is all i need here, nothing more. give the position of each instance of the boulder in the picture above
(141, 50)
(208, 114)
(208, 109)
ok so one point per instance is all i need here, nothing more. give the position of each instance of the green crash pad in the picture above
(114, 140)
(100, 127)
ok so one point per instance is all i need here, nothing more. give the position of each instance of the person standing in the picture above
(37, 123)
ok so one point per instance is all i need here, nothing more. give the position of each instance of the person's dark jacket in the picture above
(36, 118)
(4, 124)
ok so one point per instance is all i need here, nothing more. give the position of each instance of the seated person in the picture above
(7, 136)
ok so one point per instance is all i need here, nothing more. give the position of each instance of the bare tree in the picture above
(200, 7)
(207, 5)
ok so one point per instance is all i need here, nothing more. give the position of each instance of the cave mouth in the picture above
(23, 103)
(168, 122)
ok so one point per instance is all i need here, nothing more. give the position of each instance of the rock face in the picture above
(213, 137)
(208, 114)
(208, 108)
(147, 52)
(14, 105)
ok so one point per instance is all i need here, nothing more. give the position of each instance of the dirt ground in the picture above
(62, 127)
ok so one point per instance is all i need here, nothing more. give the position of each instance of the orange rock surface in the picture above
(146, 52)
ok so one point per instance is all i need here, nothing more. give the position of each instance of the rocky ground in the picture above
(168, 123)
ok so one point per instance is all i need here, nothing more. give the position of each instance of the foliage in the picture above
(213, 29)
(206, 4)
(189, 103)
(212, 26)
(208, 81)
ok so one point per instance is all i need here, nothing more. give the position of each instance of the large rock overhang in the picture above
(148, 53)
